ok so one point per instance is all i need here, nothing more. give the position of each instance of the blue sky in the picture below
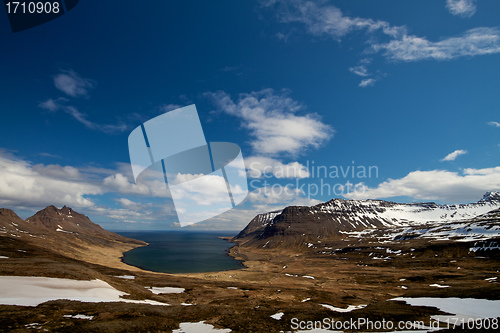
(409, 88)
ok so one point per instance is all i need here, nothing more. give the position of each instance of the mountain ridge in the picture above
(298, 225)
(69, 233)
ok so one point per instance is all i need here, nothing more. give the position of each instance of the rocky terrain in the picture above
(296, 227)
(69, 233)
(356, 261)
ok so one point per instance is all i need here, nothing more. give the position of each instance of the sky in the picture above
(394, 100)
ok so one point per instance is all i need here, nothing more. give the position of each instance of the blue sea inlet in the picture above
(182, 251)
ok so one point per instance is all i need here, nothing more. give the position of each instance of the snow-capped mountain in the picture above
(482, 227)
(298, 225)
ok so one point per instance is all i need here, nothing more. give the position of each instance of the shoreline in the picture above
(227, 252)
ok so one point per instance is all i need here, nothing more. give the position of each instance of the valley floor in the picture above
(278, 290)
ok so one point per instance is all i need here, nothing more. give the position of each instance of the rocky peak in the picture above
(63, 219)
(299, 225)
(491, 196)
(8, 213)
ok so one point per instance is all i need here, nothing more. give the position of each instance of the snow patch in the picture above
(438, 285)
(79, 316)
(199, 327)
(278, 316)
(349, 308)
(166, 290)
(464, 307)
(32, 291)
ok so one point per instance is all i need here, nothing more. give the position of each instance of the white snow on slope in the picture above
(79, 316)
(348, 309)
(437, 285)
(458, 231)
(199, 327)
(278, 316)
(363, 212)
(166, 290)
(464, 307)
(396, 214)
(32, 291)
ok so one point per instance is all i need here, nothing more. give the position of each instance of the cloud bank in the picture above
(467, 185)
(273, 122)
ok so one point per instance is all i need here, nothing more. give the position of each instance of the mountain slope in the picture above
(482, 227)
(68, 233)
(299, 226)
(66, 221)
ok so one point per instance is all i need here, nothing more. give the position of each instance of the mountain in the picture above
(66, 232)
(66, 221)
(480, 228)
(300, 225)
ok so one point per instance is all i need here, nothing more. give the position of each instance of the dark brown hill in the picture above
(66, 222)
(68, 233)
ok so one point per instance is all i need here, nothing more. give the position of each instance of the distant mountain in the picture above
(296, 226)
(66, 232)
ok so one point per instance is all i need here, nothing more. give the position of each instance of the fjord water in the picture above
(182, 251)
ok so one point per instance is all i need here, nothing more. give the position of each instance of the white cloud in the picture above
(464, 8)
(455, 187)
(276, 194)
(49, 155)
(494, 124)
(272, 122)
(55, 105)
(57, 171)
(328, 20)
(474, 42)
(82, 118)
(127, 203)
(367, 83)
(169, 107)
(136, 213)
(266, 166)
(72, 84)
(25, 185)
(121, 184)
(322, 19)
(136, 208)
(362, 71)
(453, 156)
(52, 104)
(207, 190)
(238, 218)
(359, 70)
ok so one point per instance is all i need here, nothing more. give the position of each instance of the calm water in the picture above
(182, 252)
